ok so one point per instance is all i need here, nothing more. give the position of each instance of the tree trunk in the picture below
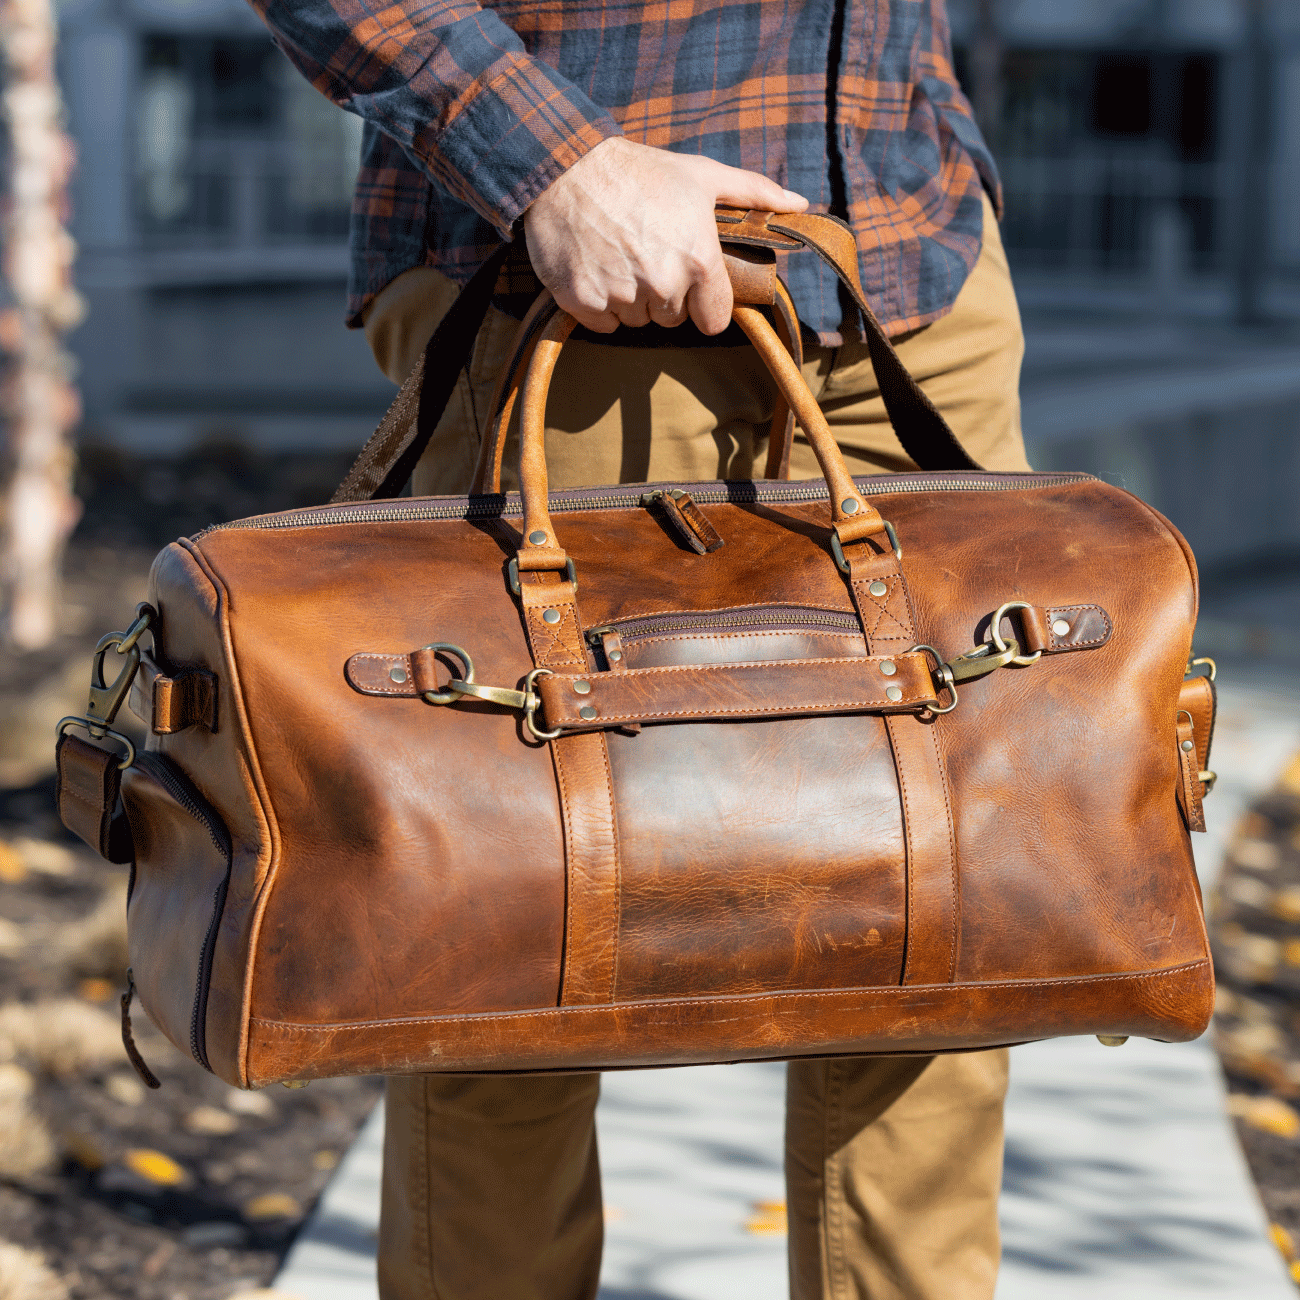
(40, 404)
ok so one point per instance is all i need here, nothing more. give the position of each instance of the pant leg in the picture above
(491, 1188)
(893, 1167)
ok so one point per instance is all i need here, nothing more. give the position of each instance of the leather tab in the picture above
(1059, 629)
(752, 272)
(1189, 785)
(168, 704)
(87, 783)
(1199, 698)
(689, 521)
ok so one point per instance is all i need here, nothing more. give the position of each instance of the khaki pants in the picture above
(491, 1185)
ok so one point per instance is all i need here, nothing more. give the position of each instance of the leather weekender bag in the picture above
(658, 774)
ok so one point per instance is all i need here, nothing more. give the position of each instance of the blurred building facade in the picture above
(211, 199)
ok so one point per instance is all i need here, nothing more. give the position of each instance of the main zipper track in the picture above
(629, 497)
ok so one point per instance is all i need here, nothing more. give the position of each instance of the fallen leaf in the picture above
(155, 1167)
(96, 990)
(1268, 1114)
(272, 1205)
(325, 1159)
(12, 867)
(85, 1150)
(1282, 1240)
(769, 1219)
(211, 1122)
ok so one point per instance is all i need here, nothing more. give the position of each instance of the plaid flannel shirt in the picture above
(472, 111)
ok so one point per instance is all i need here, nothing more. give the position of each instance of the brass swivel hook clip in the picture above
(526, 701)
(106, 698)
(981, 661)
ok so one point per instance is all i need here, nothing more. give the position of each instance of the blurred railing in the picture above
(246, 194)
(1112, 212)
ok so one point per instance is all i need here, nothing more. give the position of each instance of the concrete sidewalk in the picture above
(1123, 1176)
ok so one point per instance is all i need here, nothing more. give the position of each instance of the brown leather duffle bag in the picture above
(658, 774)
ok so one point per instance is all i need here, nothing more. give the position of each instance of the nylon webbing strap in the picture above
(389, 457)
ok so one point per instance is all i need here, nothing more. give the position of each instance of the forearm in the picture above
(452, 84)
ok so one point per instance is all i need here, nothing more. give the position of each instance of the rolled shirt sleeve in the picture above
(454, 86)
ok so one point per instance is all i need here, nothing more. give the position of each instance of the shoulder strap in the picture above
(387, 460)
(919, 426)
(389, 457)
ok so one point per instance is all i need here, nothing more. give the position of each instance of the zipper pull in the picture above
(687, 518)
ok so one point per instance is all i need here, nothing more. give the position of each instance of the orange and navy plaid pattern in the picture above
(471, 111)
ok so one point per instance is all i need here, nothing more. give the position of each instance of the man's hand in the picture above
(627, 235)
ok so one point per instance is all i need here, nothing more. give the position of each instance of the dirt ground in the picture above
(194, 1192)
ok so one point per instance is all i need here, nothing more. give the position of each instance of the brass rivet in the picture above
(849, 505)
(616, 655)
(537, 537)
(586, 713)
(894, 693)
(551, 616)
(1060, 627)
(877, 588)
(397, 674)
(582, 688)
(1112, 1040)
(889, 668)
(1188, 746)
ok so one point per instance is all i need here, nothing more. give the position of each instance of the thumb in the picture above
(738, 188)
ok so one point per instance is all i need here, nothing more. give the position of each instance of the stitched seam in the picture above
(81, 798)
(618, 904)
(570, 890)
(393, 689)
(887, 991)
(1058, 644)
(747, 711)
(910, 863)
(762, 666)
(952, 859)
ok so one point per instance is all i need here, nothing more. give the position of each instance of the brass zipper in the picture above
(624, 498)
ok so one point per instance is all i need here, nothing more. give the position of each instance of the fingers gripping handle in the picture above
(852, 515)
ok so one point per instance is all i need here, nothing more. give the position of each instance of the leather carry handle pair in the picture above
(853, 517)
(389, 457)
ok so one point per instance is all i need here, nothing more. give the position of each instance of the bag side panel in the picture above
(190, 634)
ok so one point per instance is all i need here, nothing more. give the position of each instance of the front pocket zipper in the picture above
(766, 618)
(160, 769)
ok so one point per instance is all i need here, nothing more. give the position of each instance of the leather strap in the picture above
(917, 422)
(168, 704)
(387, 459)
(1190, 787)
(774, 689)
(586, 790)
(880, 593)
(780, 437)
(87, 783)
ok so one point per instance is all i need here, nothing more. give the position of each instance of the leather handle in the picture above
(753, 281)
(852, 516)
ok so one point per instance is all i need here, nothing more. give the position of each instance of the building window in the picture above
(235, 148)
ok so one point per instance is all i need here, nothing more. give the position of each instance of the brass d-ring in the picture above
(449, 696)
(98, 732)
(998, 641)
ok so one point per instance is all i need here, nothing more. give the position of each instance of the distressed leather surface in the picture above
(399, 861)
(415, 886)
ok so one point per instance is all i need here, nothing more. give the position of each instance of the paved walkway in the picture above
(1123, 1176)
